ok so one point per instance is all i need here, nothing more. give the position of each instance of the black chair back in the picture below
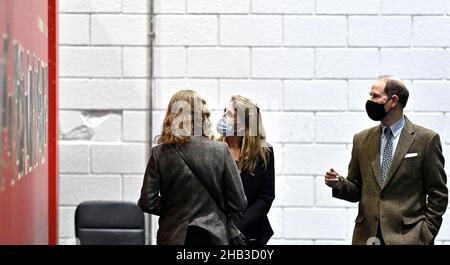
(109, 223)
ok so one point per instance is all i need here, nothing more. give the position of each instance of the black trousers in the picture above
(380, 236)
(197, 236)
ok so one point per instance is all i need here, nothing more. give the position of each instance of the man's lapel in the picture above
(374, 147)
(404, 144)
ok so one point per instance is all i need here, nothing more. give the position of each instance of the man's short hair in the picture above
(395, 86)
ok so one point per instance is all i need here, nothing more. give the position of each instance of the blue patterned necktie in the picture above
(387, 156)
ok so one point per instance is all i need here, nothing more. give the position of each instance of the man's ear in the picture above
(395, 101)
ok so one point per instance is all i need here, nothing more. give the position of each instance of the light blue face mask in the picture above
(225, 128)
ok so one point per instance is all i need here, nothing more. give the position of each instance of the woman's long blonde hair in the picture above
(254, 142)
(186, 115)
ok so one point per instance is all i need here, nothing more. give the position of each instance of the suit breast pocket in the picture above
(412, 160)
(412, 164)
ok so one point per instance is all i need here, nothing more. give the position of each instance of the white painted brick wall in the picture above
(124, 158)
(66, 216)
(104, 103)
(343, 7)
(268, 93)
(167, 87)
(169, 6)
(308, 64)
(90, 62)
(423, 99)
(103, 94)
(446, 156)
(290, 127)
(315, 31)
(283, 6)
(119, 29)
(347, 63)
(447, 129)
(279, 153)
(135, 6)
(282, 63)
(308, 95)
(276, 220)
(73, 158)
(415, 7)
(131, 187)
(108, 127)
(247, 30)
(157, 120)
(186, 30)
(97, 126)
(218, 62)
(328, 223)
(75, 189)
(294, 191)
(73, 6)
(358, 92)
(328, 131)
(380, 31)
(431, 31)
(172, 61)
(218, 6)
(133, 126)
(352, 213)
(445, 230)
(414, 63)
(133, 63)
(85, 6)
(323, 198)
(437, 121)
(105, 6)
(303, 159)
(75, 29)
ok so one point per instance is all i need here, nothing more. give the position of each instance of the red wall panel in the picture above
(28, 122)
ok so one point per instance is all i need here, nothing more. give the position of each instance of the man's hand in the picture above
(332, 178)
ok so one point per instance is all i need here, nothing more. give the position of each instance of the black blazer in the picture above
(260, 192)
(173, 192)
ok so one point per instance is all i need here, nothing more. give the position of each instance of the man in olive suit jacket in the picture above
(396, 173)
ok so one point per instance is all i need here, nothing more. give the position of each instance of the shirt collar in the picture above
(396, 127)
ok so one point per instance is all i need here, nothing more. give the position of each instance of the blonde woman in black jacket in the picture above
(242, 129)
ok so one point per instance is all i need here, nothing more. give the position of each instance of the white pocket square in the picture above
(411, 155)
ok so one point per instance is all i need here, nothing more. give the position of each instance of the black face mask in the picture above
(376, 111)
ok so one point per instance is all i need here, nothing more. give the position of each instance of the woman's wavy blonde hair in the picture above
(186, 115)
(254, 143)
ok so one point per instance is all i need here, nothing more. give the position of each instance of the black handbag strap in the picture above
(197, 176)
